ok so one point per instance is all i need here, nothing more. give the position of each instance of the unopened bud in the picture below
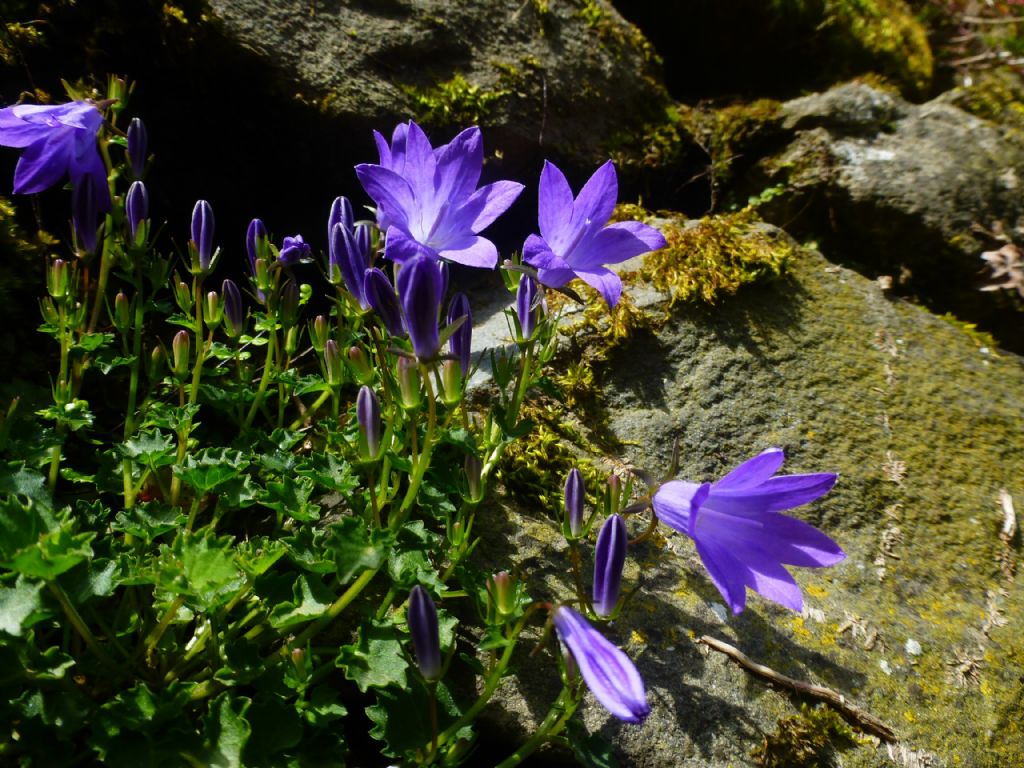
(183, 296)
(137, 145)
(122, 312)
(57, 279)
(318, 333)
(408, 383)
(49, 311)
(473, 468)
(288, 311)
(156, 364)
(502, 588)
(182, 350)
(359, 364)
(213, 310)
(451, 382)
(368, 416)
(291, 340)
(234, 316)
(136, 206)
(574, 495)
(333, 364)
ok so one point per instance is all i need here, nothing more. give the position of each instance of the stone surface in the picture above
(921, 625)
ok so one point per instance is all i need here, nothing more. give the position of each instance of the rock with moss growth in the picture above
(921, 625)
(781, 48)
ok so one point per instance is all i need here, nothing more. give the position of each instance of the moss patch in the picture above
(806, 740)
(454, 102)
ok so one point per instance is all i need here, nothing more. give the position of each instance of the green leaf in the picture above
(171, 417)
(107, 362)
(212, 467)
(329, 471)
(149, 520)
(227, 731)
(290, 497)
(256, 556)
(54, 553)
(324, 706)
(18, 605)
(28, 485)
(591, 750)
(90, 342)
(376, 660)
(98, 580)
(402, 719)
(355, 548)
(311, 600)
(72, 416)
(276, 727)
(306, 548)
(151, 448)
(202, 568)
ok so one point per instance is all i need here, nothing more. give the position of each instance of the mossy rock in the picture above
(921, 625)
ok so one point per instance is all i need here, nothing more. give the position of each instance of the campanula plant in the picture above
(281, 523)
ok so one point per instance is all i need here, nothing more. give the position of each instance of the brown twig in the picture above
(859, 717)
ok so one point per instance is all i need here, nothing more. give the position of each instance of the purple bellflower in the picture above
(527, 296)
(234, 311)
(58, 141)
(461, 341)
(136, 204)
(202, 236)
(368, 417)
(574, 241)
(609, 558)
(426, 642)
(427, 199)
(83, 216)
(348, 258)
(741, 538)
(607, 671)
(293, 250)
(420, 286)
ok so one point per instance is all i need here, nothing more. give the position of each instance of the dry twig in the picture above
(859, 717)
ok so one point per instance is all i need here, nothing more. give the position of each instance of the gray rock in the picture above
(923, 426)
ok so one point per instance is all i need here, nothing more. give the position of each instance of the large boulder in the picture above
(921, 626)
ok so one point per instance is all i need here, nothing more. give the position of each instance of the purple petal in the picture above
(773, 495)
(382, 149)
(422, 619)
(554, 206)
(676, 501)
(86, 163)
(767, 577)
(380, 294)
(605, 281)
(420, 163)
(420, 284)
(794, 542)
(727, 574)
(607, 671)
(400, 246)
(472, 251)
(753, 472)
(18, 133)
(75, 114)
(596, 201)
(609, 558)
(44, 163)
(610, 245)
(488, 203)
(390, 191)
(459, 164)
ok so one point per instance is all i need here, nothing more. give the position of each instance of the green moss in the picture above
(713, 257)
(996, 95)
(730, 133)
(454, 102)
(806, 740)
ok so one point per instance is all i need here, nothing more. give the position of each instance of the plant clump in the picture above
(806, 740)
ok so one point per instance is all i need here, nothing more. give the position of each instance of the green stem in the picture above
(63, 390)
(77, 622)
(268, 367)
(312, 409)
(153, 638)
(423, 460)
(559, 714)
(336, 608)
(133, 388)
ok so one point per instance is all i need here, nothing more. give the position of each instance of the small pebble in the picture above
(885, 666)
(912, 647)
(720, 611)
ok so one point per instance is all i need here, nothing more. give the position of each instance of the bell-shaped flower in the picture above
(607, 671)
(293, 250)
(461, 341)
(58, 141)
(609, 558)
(426, 642)
(574, 241)
(741, 538)
(420, 286)
(427, 199)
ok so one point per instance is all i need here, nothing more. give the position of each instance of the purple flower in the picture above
(202, 236)
(609, 557)
(607, 671)
(136, 204)
(368, 417)
(137, 141)
(574, 241)
(427, 200)
(527, 296)
(58, 141)
(420, 285)
(83, 216)
(380, 294)
(741, 538)
(426, 642)
(348, 258)
(293, 250)
(461, 341)
(234, 313)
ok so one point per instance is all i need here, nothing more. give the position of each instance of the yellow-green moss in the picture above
(726, 134)
(454, 102)
(806, 740)
(996, 96)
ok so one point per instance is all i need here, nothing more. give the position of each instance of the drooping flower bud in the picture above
(319, 332)
(473, 468)
(359, 365)
(137, 146)
(181, 348)
(213, 310)
(426, 642)
(380, 295)
(368, 416)
(526, 306)
(408, 383)
(293, 250)
(420, 286)
(203, 254)
(333, 364)
(84, 213)
(461, 341)
(122, 312)
(136, 206)
(234, 316)
(574, 496)
(609, 558)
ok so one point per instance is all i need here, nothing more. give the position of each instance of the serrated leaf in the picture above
(99, 580)
(227, 731)
(376, 659)
(151, 448)
(307, 550)
(355, 548)
(402, 719)
(212, 467)
(90, 342)
(329, 471)
(18, 604)
(290, 496)
(256, 556)
(149, 520)
(204, 569)
(54, 553)
(311, 599)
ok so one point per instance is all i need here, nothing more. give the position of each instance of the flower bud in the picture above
(288, 311)
(451, 382)
(213, 310)
(461, 341)
(319, 332)
(57, 279)
(122, 312)
(426, 641)
(574, 496)
(261, 270)
(368, 416)
(49, 311)
(291, 340)
(137, 209)
(408, 383)
(614, 494)
(137, 146)
(183, 296)
(526, 307)
(359, 365)
(420, 287)
(203, 255)
(156, 364)
(502, 589)
(341, 213)
(256, 244)
(609, 558)
(333, 364)
(181, 348)
(380, 294)
(473, 468)
(84, 213)
(293, 250)
(234, 315)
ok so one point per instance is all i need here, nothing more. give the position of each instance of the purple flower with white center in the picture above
(202, 235)
(420, 287)
(348, 258)
(380, 294)
(609, 558)
(574, 241)
(137, 145)
(426, 642)
(527, 297)
(741, 538)
(427, 200)
(58, 141)
(574, 494)
(293, 250)
(607, 671)
(461, 341)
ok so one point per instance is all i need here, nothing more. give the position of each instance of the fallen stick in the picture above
(861, 718)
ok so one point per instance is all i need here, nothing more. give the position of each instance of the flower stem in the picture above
(268, 367)
(80, 626)
(559, 714)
